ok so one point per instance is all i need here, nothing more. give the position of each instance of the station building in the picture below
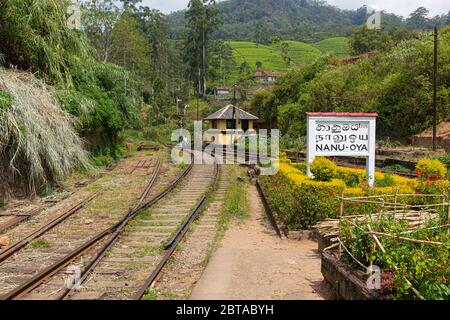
(228, 125)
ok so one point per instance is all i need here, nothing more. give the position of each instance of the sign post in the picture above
(344, 135)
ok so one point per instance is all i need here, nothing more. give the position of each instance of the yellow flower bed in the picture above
(300, 202)
(299, 178)
(404, 185)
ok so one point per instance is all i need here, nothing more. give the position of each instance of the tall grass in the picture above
(38, 141)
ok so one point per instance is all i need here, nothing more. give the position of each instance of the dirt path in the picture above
(253, 263)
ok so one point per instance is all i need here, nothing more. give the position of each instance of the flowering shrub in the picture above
(301, 202)
(355, 177)
(431, 177)
(433, 186)
(323, 169)
(431, 169)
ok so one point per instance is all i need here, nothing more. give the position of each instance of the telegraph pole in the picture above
(198, 109)
(435, 71)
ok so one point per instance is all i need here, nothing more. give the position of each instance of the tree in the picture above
(245, 80)
(360, 16)
(129, 48)
(261, 33)
(155, 28)
(418, 19)
(221, 61)
(202, 19)
(284, 49)
(99, 19)
(259, 65)
(262, 104)
(364, 40)
(130, 5)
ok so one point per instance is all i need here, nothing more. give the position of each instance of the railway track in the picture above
(186, 266)
(172, 244)
(147, 243)
(21, 264)
(122, 254)
(17, 216)
(9, 251)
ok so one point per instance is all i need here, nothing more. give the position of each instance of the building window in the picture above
(231, 124)
(214, 124)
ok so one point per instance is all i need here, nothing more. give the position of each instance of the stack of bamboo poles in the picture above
(329, 229)
(417, 216)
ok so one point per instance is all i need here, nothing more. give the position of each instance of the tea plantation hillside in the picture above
(271, 56)
(338, 46)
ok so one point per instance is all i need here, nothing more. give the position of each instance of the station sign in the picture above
(342, 134)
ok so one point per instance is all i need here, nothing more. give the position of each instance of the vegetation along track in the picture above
(36, 263)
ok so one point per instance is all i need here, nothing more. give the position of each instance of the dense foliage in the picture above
(397, 84)
(34, 36)
(301, 20)
(423, 265)
(137, 39)
(201, 20)
(364, 40)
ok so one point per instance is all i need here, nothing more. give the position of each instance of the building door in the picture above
(245, 125)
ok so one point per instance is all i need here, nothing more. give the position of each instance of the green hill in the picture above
(252, 52)
(271, 57)
(300, 20)
(301, 52)
(338, 45)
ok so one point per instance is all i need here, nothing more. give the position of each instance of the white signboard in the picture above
(345, 135)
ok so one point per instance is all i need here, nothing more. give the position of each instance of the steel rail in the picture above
(16, 219)
(5, 254)
(246, 155)
(172, 245)
(24, 217)
(48, 272)
(107, 246)
(268, 208)
(150, 184)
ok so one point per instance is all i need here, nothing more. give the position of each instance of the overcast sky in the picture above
(400, 7)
